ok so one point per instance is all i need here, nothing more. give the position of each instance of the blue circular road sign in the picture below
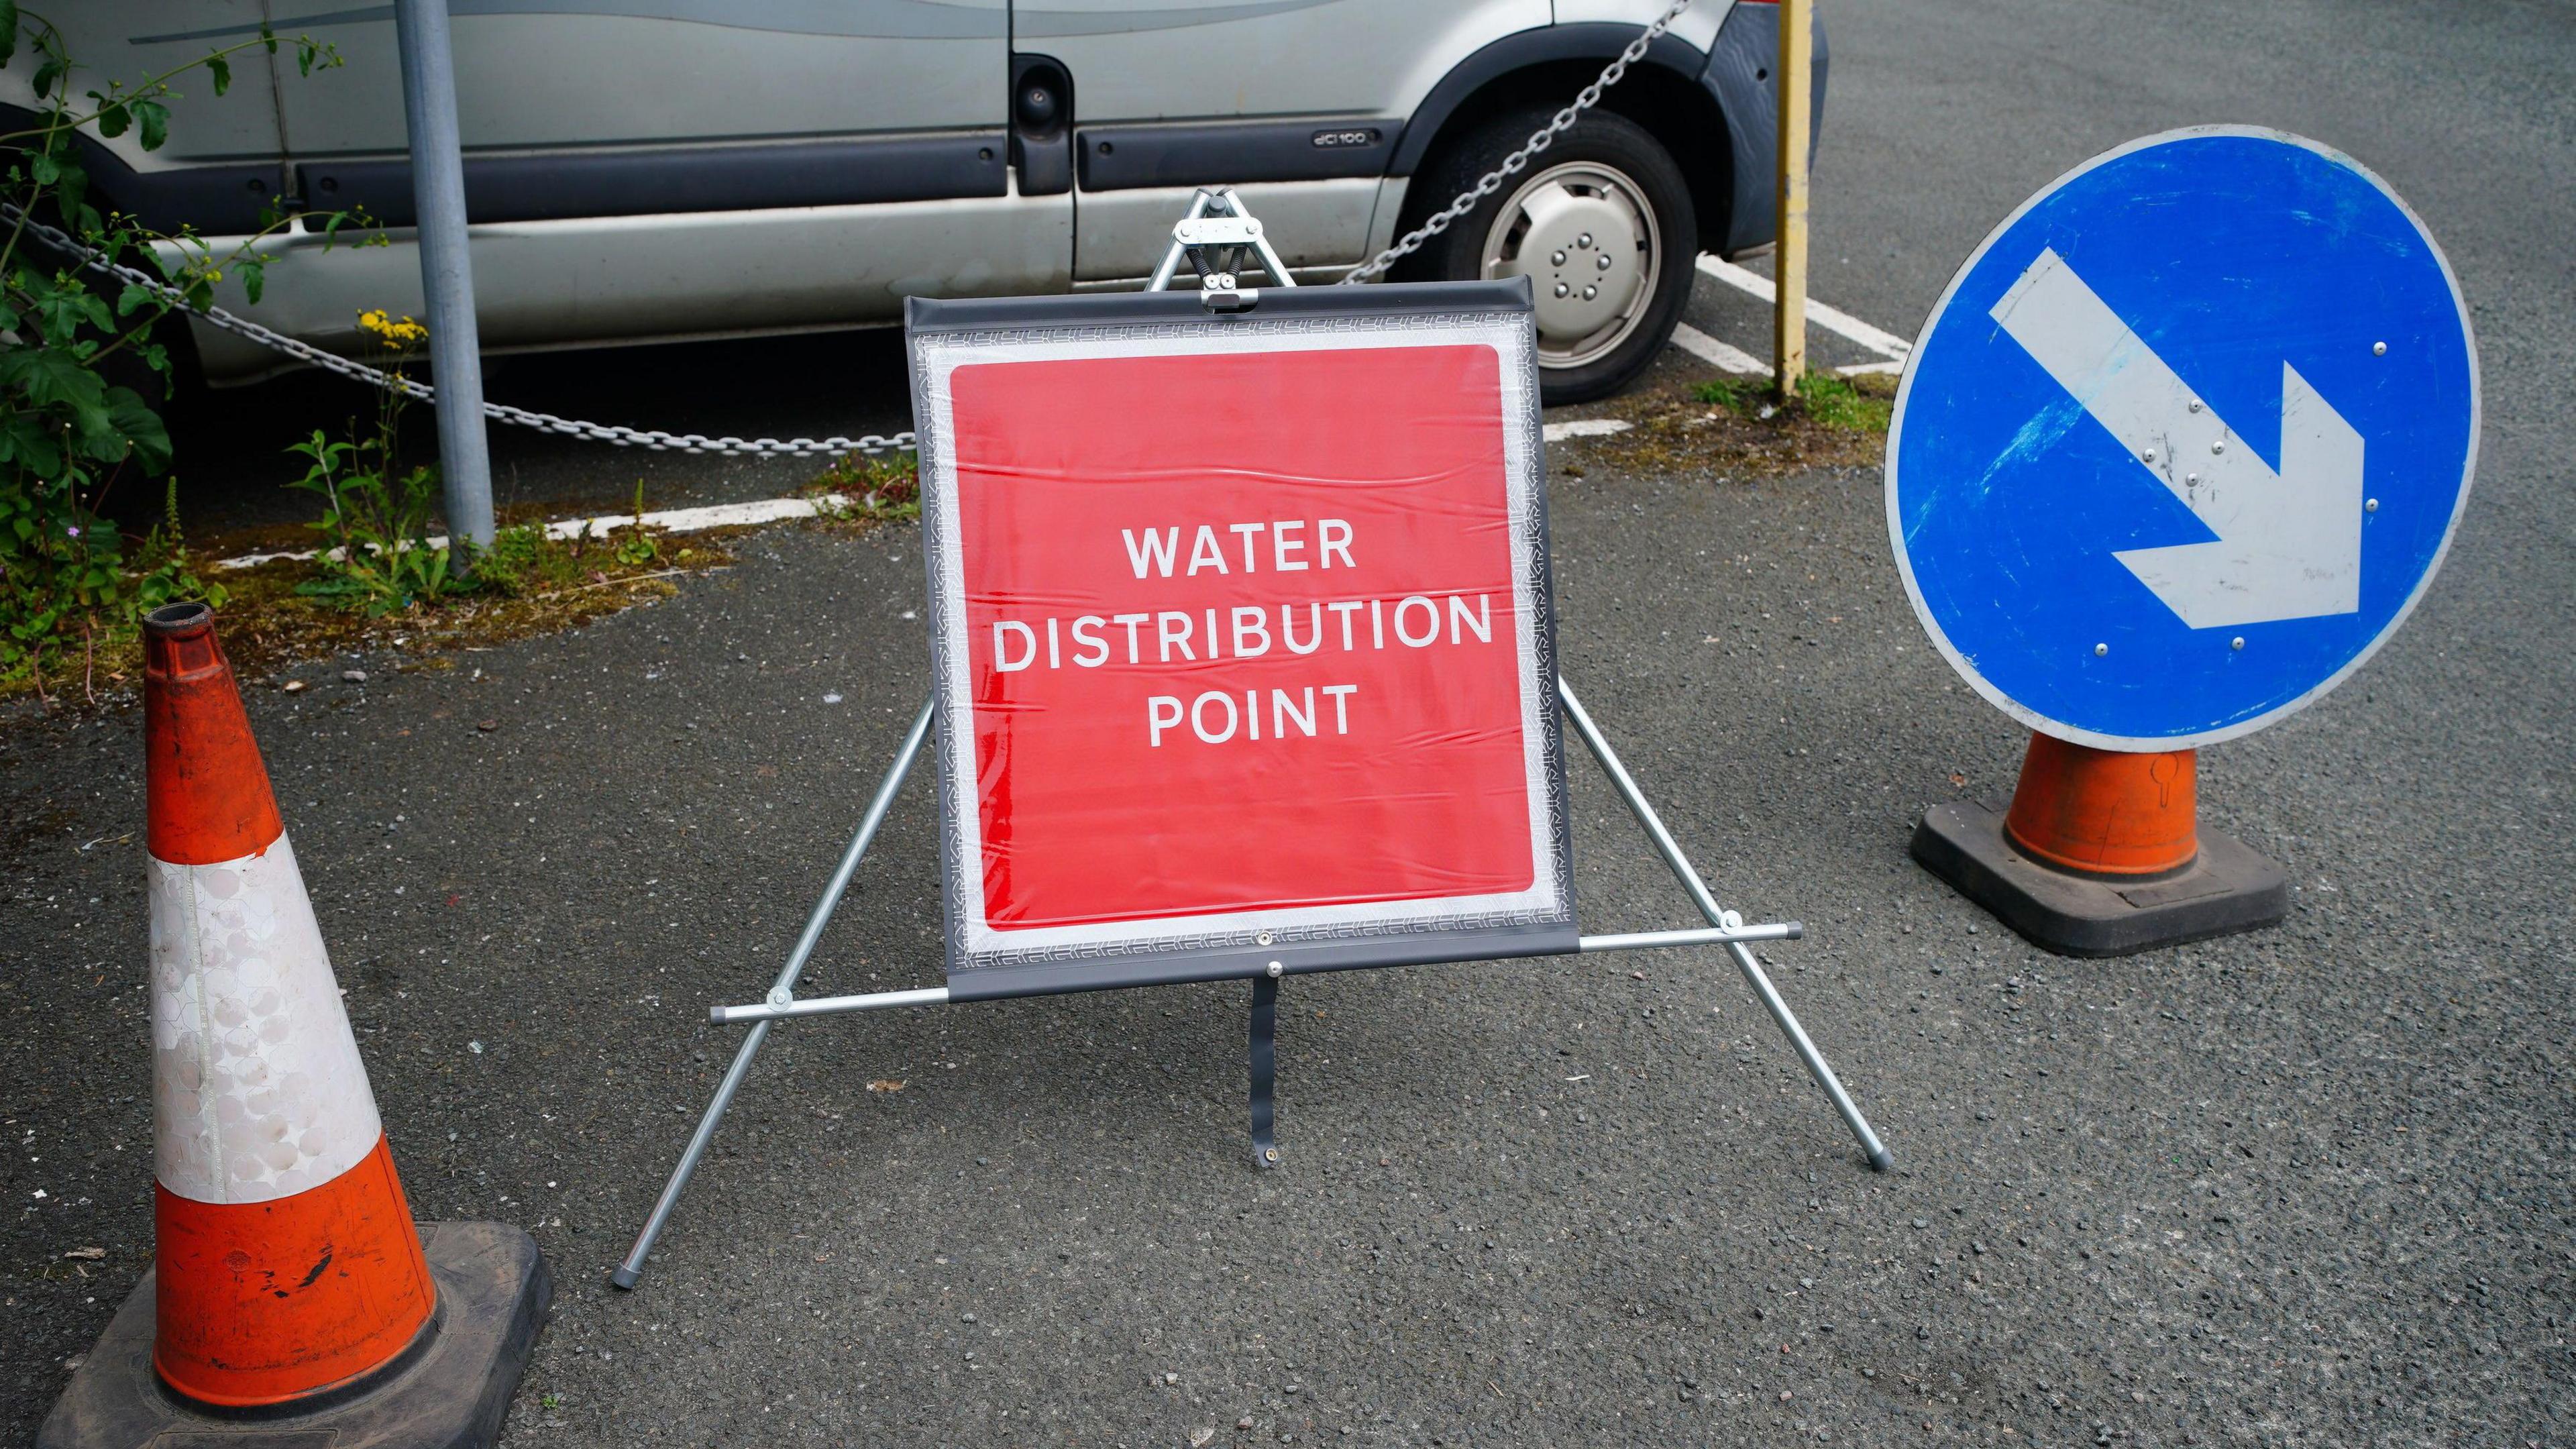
(2185, 439)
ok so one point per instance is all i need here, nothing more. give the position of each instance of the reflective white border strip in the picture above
(1510, 338)
(257, 1089)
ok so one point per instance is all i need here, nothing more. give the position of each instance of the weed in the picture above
(1740, 396)
(1824, 397)
(1737, 428)
(525, 584)
(860, 488)
(638, 548)
(523, 561)
(376, 556)
(1834, 401)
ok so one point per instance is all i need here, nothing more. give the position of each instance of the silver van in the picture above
(653, 170)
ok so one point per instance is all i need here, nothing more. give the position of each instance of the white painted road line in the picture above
(1832, 319)
(673, 520)
(1723, 355)
(689, 520)
(1583, 428)
(254, 560)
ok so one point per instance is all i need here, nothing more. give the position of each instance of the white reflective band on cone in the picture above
(257, 1088)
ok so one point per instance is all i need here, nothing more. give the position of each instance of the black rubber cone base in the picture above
(2227, 889)
(449, 1392)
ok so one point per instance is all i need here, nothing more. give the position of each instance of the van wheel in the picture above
(1600, 222)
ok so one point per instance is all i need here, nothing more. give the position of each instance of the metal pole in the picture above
(780, 991)
(626, 1274)
(904, 755)
(768, 1011)
(1789, 254)
(1270, 261)
(446, 272)
(1171, 262)
(1715, 936)
(1708, 907)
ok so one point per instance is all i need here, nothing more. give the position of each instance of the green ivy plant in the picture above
(70, 431)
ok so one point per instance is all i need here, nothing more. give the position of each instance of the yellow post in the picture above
(1789, 255)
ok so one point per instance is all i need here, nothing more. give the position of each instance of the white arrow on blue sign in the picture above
(2184, 441)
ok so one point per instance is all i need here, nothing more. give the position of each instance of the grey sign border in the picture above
(1241, 954)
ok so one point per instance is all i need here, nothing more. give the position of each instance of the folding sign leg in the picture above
(780, 991)
(1265, 1068)
(1708, 907)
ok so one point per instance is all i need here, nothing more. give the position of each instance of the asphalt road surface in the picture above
(2301, 1187)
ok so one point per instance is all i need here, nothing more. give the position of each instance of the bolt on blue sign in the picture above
(2184, 441)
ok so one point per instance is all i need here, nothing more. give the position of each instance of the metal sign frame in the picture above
(1220, 293)
(1171, 330)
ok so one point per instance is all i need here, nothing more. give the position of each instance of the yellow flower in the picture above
(400, 331)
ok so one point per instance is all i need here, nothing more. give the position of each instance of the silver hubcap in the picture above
(1585, 237)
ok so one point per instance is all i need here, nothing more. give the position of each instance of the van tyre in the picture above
(1601, 223)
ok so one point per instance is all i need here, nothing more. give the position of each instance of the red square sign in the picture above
(1243, 640)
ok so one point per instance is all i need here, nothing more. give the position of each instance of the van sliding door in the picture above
(656, 168)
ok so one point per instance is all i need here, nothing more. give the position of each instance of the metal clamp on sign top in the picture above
(1220, 245)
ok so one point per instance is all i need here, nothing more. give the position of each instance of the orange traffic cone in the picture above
(2102, 854)
(287, 1257)
(2105, 812)
(288, 1272)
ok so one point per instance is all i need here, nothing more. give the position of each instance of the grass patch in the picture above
(869, 489)
(1736, 428)
(288, 612)
(1837, 402)
(527, 584)
(1826, 398)
(1738, 395)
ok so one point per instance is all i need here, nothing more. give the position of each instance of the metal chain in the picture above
(662, 442)
(659, 442)
(1513, 164)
